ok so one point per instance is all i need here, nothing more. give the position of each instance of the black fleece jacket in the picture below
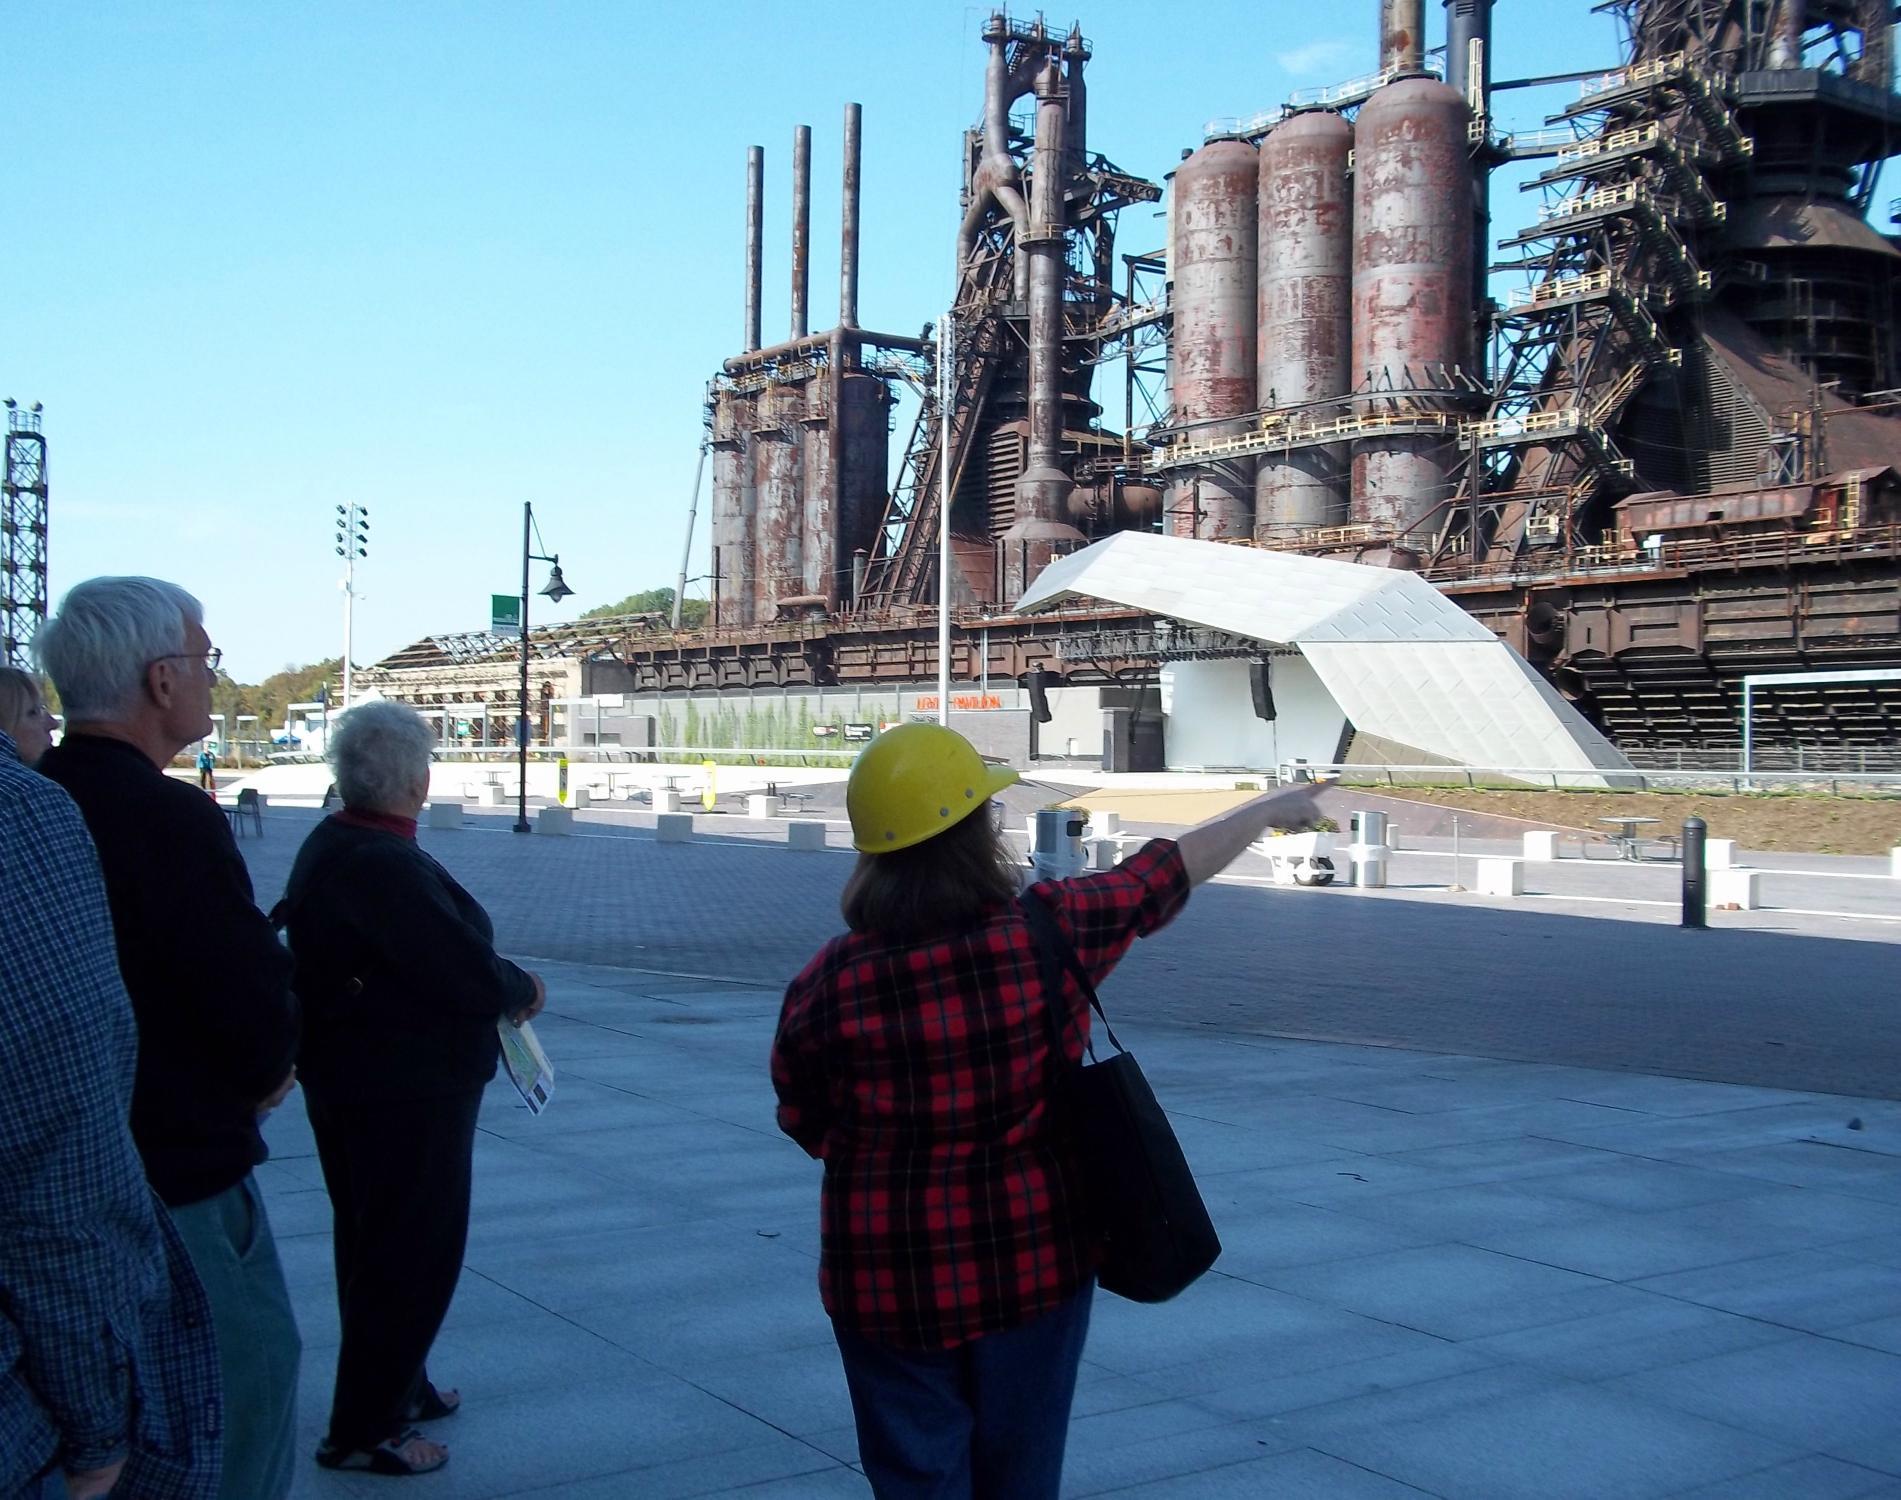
(396, 967)
(209, 981)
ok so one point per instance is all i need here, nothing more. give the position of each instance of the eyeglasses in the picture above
(210, 658)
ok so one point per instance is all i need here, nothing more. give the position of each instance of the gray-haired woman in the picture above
(401, 986)
(24, 717)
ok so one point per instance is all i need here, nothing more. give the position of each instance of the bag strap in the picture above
(1057, 954)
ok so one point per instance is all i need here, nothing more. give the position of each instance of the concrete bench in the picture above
(1894, 863)
(1541, 846)
(673, 827)
(1500, 876)
(666, 800)
(802, 833)
(494, 796)
(445, 814)
(1737, 888)
(583, 796)
(557, 820)
(760, 805)
(1719, 854)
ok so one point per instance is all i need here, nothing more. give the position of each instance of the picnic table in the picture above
(1629, 842)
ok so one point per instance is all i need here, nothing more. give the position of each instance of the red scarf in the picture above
(382, 822)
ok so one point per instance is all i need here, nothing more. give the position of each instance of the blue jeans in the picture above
(984, 1421)
(229, 1239)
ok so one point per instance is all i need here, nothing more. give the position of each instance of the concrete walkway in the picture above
(1445, 1275)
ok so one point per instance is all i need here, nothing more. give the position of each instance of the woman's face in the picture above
(34, 737)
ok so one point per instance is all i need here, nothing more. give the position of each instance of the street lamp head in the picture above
(557, 587)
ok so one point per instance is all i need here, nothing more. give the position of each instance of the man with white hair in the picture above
(210, 983)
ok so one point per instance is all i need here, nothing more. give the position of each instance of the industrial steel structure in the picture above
(22, 535)
(1667, 458)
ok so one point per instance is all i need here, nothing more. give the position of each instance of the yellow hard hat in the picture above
(912, 783)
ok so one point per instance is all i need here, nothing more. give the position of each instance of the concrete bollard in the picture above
(559, 820)
(674, 827)
(1719, 854)
(1500, 877)
(495, 796)
(1894, 863)
(1541, 846)
(802, 833)
(1738, 888)
(666, 800)
(582, 797)
(445, 814)
(1103, 825)
(759, 805)
(1101, 854)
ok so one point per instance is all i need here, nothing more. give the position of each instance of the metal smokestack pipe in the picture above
(848, 225)
(801, 226)
(755, 231)
(1469, 70)
(1046, 275)
(1785, 41)
(1402, 35)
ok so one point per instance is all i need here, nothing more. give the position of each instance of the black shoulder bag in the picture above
(1143, 1205)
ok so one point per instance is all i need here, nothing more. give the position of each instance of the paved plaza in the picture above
(1533, 1198)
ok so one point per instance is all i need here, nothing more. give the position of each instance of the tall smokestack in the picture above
(755, 231)
(801, 225)
(1402, 35)
(848, 225)
(1785, 41)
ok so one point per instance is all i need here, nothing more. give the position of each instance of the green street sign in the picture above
(504, 614)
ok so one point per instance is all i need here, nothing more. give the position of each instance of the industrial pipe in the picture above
(755, 231)
(848, 224)
(1046, 275)
(1469, 70)
(996, 179)
(1402, 36)
(813, 342)
(1076, 140)
(1785, 41)
(801, 226)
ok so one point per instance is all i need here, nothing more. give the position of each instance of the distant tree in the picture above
(655, 602)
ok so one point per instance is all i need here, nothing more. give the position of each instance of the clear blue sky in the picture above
(442, 258)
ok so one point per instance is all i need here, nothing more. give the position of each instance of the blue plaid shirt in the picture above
(106, 1349)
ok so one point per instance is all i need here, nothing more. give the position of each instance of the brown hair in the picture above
(940, 886)
(19, 692)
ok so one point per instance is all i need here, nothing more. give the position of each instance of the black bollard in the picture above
(1695, 885)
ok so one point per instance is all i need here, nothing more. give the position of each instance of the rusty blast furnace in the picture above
(1649, 435)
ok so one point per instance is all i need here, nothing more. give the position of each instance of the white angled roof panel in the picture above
(1402, 660)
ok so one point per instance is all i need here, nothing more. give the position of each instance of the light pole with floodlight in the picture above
(556, 589)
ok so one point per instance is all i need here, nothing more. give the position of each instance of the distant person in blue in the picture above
(209, 981)
(207, 769)
(98, 1298)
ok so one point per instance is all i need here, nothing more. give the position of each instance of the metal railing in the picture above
(1612, 779)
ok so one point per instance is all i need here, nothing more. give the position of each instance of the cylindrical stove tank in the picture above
(732, 525)
(1412, 291)
(1211, 355)
(1306, 299)
(779, 570)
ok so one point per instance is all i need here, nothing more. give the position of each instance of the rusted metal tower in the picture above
(22, 534)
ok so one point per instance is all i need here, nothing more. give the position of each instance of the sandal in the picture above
(392, 1457)
(433, 1405)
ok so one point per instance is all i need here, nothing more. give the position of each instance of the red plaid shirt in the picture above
(921, 1077)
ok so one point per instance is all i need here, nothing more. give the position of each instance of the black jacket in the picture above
(210, 983)
(396, 967)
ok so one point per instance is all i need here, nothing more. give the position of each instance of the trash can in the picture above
(1056, 847)
(1368, 827)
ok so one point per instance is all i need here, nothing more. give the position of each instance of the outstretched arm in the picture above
(1211, 846)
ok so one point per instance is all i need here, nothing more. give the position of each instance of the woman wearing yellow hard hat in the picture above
(914, 1057)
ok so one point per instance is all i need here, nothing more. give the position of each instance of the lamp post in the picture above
(353, 542)
(556, 589)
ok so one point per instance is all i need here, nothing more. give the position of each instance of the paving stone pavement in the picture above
(1448, 1271)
